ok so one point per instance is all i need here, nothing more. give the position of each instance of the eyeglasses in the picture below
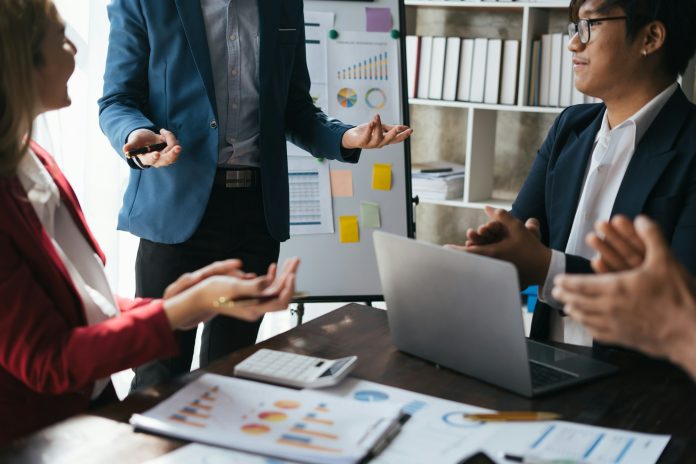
(582, 27)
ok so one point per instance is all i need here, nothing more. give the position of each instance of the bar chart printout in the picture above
(304, 426)
(363, 70)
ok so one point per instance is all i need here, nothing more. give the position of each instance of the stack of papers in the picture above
(437, 180)
(303, 426)
(439, 432)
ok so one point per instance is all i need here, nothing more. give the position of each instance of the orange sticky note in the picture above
(381, 176)
(342, 183)
(348, 229)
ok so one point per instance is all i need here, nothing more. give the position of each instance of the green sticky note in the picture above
(369, 213)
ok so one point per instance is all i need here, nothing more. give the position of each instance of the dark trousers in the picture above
(233, 226)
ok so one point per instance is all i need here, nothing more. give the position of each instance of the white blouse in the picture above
(82, 263)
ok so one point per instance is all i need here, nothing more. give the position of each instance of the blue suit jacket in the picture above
(660, 182)
(158, 75)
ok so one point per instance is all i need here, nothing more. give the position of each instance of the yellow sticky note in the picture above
(381, 176)
(348, 229)
(342, 183)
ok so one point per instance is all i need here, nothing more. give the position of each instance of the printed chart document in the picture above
(304, 426)
(580, 443)
(438, 432)
(317, 27)
(311, 210)
(364, 77)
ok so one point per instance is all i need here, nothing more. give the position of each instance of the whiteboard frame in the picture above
(406, 147)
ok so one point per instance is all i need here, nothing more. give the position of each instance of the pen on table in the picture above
(146, 149)
(512, 416)
(435, 170)
(529, 459)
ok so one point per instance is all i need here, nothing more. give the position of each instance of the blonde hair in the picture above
(22, 27)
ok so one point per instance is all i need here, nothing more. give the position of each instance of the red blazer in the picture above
(49, 357)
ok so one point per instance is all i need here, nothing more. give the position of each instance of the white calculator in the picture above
(294, 370)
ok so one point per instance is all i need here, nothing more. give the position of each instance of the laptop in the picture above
(463, 311)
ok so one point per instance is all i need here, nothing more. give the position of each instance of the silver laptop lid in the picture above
(456, 309)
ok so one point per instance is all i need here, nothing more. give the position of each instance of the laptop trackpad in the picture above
(547, 354)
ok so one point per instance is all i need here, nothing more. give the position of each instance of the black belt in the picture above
(238, 178)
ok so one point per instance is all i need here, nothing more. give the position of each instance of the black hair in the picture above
(678, 17)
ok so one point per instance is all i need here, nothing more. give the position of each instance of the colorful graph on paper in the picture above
(347, 98)
(373, 68)
(297, 425)
(363, 71)
(436, 432)
(376, 98)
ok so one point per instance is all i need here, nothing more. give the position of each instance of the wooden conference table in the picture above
(646, 396)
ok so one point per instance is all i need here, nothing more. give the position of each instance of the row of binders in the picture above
(451, 68)
(484, 70)
(551, 78)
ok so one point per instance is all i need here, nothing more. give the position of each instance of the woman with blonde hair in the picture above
(62, 333)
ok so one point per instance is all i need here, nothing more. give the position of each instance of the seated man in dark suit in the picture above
(635, 153)
(649, 305)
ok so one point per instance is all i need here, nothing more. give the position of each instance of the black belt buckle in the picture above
(238, 178)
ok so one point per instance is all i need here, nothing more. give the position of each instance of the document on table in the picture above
(576, 443)
(305, 426)
(438, 432)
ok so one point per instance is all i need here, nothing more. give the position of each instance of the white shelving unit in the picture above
(482, 118)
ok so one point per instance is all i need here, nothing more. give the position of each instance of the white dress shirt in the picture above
(612, 153)
(82, 263)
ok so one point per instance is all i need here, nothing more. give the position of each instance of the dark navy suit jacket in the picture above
(158, 75)
(660, 182)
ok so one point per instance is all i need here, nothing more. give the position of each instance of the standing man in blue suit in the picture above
(223, 83)
(635, 153)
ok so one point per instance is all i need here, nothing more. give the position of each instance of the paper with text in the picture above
(305, 426)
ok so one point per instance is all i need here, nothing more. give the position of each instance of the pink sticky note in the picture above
(342, 183)
(378, 19)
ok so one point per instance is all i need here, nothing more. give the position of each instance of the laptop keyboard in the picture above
(544, 375)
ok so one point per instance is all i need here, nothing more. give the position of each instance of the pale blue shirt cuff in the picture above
(556, 267)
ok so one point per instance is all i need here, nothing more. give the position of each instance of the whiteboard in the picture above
(335, 271)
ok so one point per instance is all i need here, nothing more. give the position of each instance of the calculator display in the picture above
(337, 366)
